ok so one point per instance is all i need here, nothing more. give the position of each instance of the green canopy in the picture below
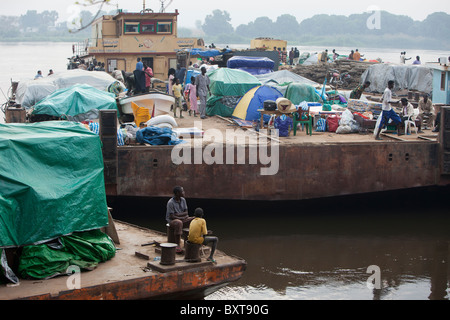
(231, 82)
(51, 182)
(299, 92)
(76, 100)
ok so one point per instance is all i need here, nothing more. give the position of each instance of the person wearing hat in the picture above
(285, 105)
(284, 122)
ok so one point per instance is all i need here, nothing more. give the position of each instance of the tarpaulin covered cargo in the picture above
(79, 102)
(252, 65)
(207, 53)
(299, 92)
(281, 79)
(82, 249)
(30, 92)
(231, 82)
(51, 182)
(227, 88)
(410, 77)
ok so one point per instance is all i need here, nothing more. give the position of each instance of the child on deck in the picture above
(191, 93)
(177, 90)
(198, 233)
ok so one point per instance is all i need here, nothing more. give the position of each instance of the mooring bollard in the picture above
(168, 251)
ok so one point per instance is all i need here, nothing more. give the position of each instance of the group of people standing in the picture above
(143, 75)
(39, 74)
(403, 58)
(195, 91)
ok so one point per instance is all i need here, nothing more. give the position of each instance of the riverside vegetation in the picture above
(319, 30)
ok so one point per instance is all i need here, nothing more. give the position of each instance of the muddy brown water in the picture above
(383, 246)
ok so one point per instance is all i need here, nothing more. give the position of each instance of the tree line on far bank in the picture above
(44, 26)
(388, 30)
(328, 30)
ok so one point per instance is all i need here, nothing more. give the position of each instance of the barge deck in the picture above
(134, 274)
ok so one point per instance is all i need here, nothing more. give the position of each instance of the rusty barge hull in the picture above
(134, 274)
(194, 282)
(306, 171)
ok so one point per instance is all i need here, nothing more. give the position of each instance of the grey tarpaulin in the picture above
(408, 77)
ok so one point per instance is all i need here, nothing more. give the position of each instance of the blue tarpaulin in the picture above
(208, 53)
(157, 136)
(253, 65)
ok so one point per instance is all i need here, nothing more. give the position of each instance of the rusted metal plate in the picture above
(153, 286)
(305, 171)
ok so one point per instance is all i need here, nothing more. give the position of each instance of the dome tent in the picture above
(247, 107)
(227, 87)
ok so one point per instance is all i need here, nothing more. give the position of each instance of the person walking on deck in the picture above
(191, 93)
(202, 83)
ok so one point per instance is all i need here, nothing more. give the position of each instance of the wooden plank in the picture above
(179, 265)
(426, 138)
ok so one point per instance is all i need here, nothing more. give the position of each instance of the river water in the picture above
(305, 250)
(322, 249)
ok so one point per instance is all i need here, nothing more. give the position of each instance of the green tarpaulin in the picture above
(84, 250)
(299, 92)
(231, 82)
(51, 182)
(227, 87)
(76, 100)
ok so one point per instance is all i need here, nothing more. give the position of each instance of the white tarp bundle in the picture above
(283, 76)
(30, 92)
(313, 59)
(408, 77)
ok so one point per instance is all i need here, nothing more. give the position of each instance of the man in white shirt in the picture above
(403, 57)
(387, 111)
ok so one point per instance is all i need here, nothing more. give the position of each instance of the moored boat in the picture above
(55, 221)
(156, 101)
(134, 273)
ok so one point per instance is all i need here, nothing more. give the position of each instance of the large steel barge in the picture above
(309, 166)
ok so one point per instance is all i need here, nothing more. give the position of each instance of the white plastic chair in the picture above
(411, 121)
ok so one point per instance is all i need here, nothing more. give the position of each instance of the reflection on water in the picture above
(321, 249)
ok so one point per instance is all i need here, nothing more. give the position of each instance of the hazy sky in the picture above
(241, 12)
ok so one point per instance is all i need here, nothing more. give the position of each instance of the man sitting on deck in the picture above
(198, 231)
(177, 214)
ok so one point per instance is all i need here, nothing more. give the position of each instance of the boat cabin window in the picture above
(148, 27)
(131, 27)
(164, 27)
